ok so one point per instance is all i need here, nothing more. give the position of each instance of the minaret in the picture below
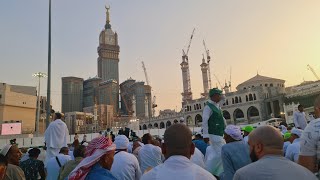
(187, 94)
(204, 69)
(226, 87)
(108, 60)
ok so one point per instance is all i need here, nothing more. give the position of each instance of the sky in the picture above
(270, 37)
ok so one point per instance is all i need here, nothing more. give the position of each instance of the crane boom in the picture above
(218, 81)
(145, 73)
(190, 41)
(208, 61)
(314, 73)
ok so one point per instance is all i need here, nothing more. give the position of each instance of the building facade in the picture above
(256, 99)
(79, 122)
(72, 94)
(18, 105)
(136, 99)
(91, 91)
(103, 115)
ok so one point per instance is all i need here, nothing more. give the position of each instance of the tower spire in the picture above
(108, 25)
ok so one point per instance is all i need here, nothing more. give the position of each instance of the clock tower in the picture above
(108, 66)
(108, 51)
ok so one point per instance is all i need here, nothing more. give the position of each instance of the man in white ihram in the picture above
(55, 136)
(125, 165)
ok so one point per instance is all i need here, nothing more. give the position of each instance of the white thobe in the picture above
(149, 157)
(55, 137)
(245, 139)
(299, 119)
(178, 167)
(293, 150)
(125, 166)
(198, 158)
(53, 167)
(212, 159)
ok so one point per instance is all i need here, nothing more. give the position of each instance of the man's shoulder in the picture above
(152, 173)
(202, 173)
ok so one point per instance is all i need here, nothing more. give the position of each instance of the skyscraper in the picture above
(72, 94)
(108, 65)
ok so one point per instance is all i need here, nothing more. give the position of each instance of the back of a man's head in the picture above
(58, 115)
(147, 138)
(79, 151)
(269, 138)
(178, 141)
(34, 152)
(64, 150)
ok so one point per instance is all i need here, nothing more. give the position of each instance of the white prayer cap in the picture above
(234, 132)
(5, 149)
(121, 142)
(297, 132)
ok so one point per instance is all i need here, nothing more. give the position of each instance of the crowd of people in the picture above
(219, 151)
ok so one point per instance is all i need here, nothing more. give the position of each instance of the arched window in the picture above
(200, 106)
(227, 103)
(240, 101)
(266, 85)
(246, 98)
(271, 85)
(232, 101)
(254, 97)
(236, 100)
(250, 97)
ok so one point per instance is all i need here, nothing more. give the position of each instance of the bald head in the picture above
(178, 141)
(269, 136)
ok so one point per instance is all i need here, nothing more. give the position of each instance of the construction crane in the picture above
(184, 54)
(314, 73)
(218, 81)
(153, 100)
(145, 73)
(230, 81)
(208, 62)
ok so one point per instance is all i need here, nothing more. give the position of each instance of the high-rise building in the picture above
(205, 80)
(108, 66)
(109, 94)
(72, 94)
(91, 91)
(135, 98)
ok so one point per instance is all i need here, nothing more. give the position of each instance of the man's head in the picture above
(247, 130)
(147, 139)
(64, 150)
(34, 153)
(12, 153)
(178, 141)
(57, 116)
(79, 151)
(198, 137)
(317, 107)
(3, 166)
(215, 95)
(295, 134)
(300, 108)
(263, 141)
(121, 142)
(232, 133)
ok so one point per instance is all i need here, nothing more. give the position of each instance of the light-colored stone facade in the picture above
(18, 104)
(256, 99)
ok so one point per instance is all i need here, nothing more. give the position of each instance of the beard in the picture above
(253, 156)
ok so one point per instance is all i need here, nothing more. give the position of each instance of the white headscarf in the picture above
(4, 150)
(121, 142)
(234, 132)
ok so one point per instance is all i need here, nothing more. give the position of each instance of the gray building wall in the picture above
(72, 94)
(91, 91)
(109, 94)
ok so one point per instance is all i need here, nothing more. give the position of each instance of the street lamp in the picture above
(39, 75)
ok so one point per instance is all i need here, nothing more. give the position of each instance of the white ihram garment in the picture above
(198, 158)
(55, 137)
(149, 157)
(125, 166)
(178, 168)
